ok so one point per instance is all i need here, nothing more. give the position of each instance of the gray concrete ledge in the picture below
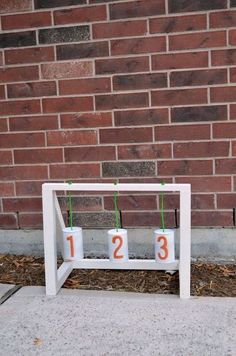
(206, 243)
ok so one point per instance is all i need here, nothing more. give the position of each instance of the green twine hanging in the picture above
(69, 202)
(162, 210)
(117, 212)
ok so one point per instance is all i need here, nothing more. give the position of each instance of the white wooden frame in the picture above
(52, 213)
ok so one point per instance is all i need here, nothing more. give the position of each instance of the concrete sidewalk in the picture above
(112, 323)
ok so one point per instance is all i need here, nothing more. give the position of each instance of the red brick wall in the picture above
(93, 90)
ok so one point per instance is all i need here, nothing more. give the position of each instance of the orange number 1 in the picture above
(120, 243)
(164, 247)
(71, 241)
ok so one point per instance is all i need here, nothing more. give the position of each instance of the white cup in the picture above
(118, 245)
(164, 243)
(73, 243)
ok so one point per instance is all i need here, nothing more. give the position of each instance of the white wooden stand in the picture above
(53, 224)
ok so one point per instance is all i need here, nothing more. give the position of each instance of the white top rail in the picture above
(144, 187)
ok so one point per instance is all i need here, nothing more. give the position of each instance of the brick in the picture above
(64, 34)
(226, 201)
(234, 148)
(23, 172)
(208, 184)
(192, 5)
(139, 8)
(3, 125)
(33, 123)
(186, 132)
(2, 92)
(233, 75)
(122, 65)
(197, 40)
(19, 21)
(233, 112)
(222, 19)
(70, 138)
(212, 218)
(42, 4)
(198, 201)
(198, 77)
(232, 37)
(226, 166)
(121, 101)
(69, 171)
(64, 104)
(138, 45)
(29, 55)
(134, 219)
(90, 154)
(18, 39)
(5, 157)
(95, 220)
(82, 203)
(141, 117)
(199, 113)
(15, 6)
(123, 135)
(31, 188)
(38, 156)
(21, 107)
(224, 130)
(203, 201)
(7, 189)
(183, 132)
(201, 149)
(185, 167)
(180, 60)
(83, 50)
(223, 57)
(22, 204)
(8, 221)
(128, 169)
(80, 15)
(140, 81)
(223, 94)
(31, 89)
(86, 120)
(22, 140)
(30, 220)
(179, 97)
(119, 29)
(178, 24)
(19, 74)
(132, 202)
(144, 151)
(85, 86)
(67, 70)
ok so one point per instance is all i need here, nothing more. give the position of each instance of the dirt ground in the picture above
(207, 279)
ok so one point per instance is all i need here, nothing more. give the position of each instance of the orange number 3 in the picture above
(71, 241)
(120, 243)
(164, 247)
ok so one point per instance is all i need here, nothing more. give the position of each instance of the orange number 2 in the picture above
(71, 241)
(120, 243)
(164, 247)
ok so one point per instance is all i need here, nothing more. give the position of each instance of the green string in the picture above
(117, 213)
(70, 208)
(162, 210)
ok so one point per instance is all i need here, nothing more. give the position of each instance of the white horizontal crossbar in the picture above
(131, 264)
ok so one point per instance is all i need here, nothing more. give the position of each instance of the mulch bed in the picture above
(207, 279)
